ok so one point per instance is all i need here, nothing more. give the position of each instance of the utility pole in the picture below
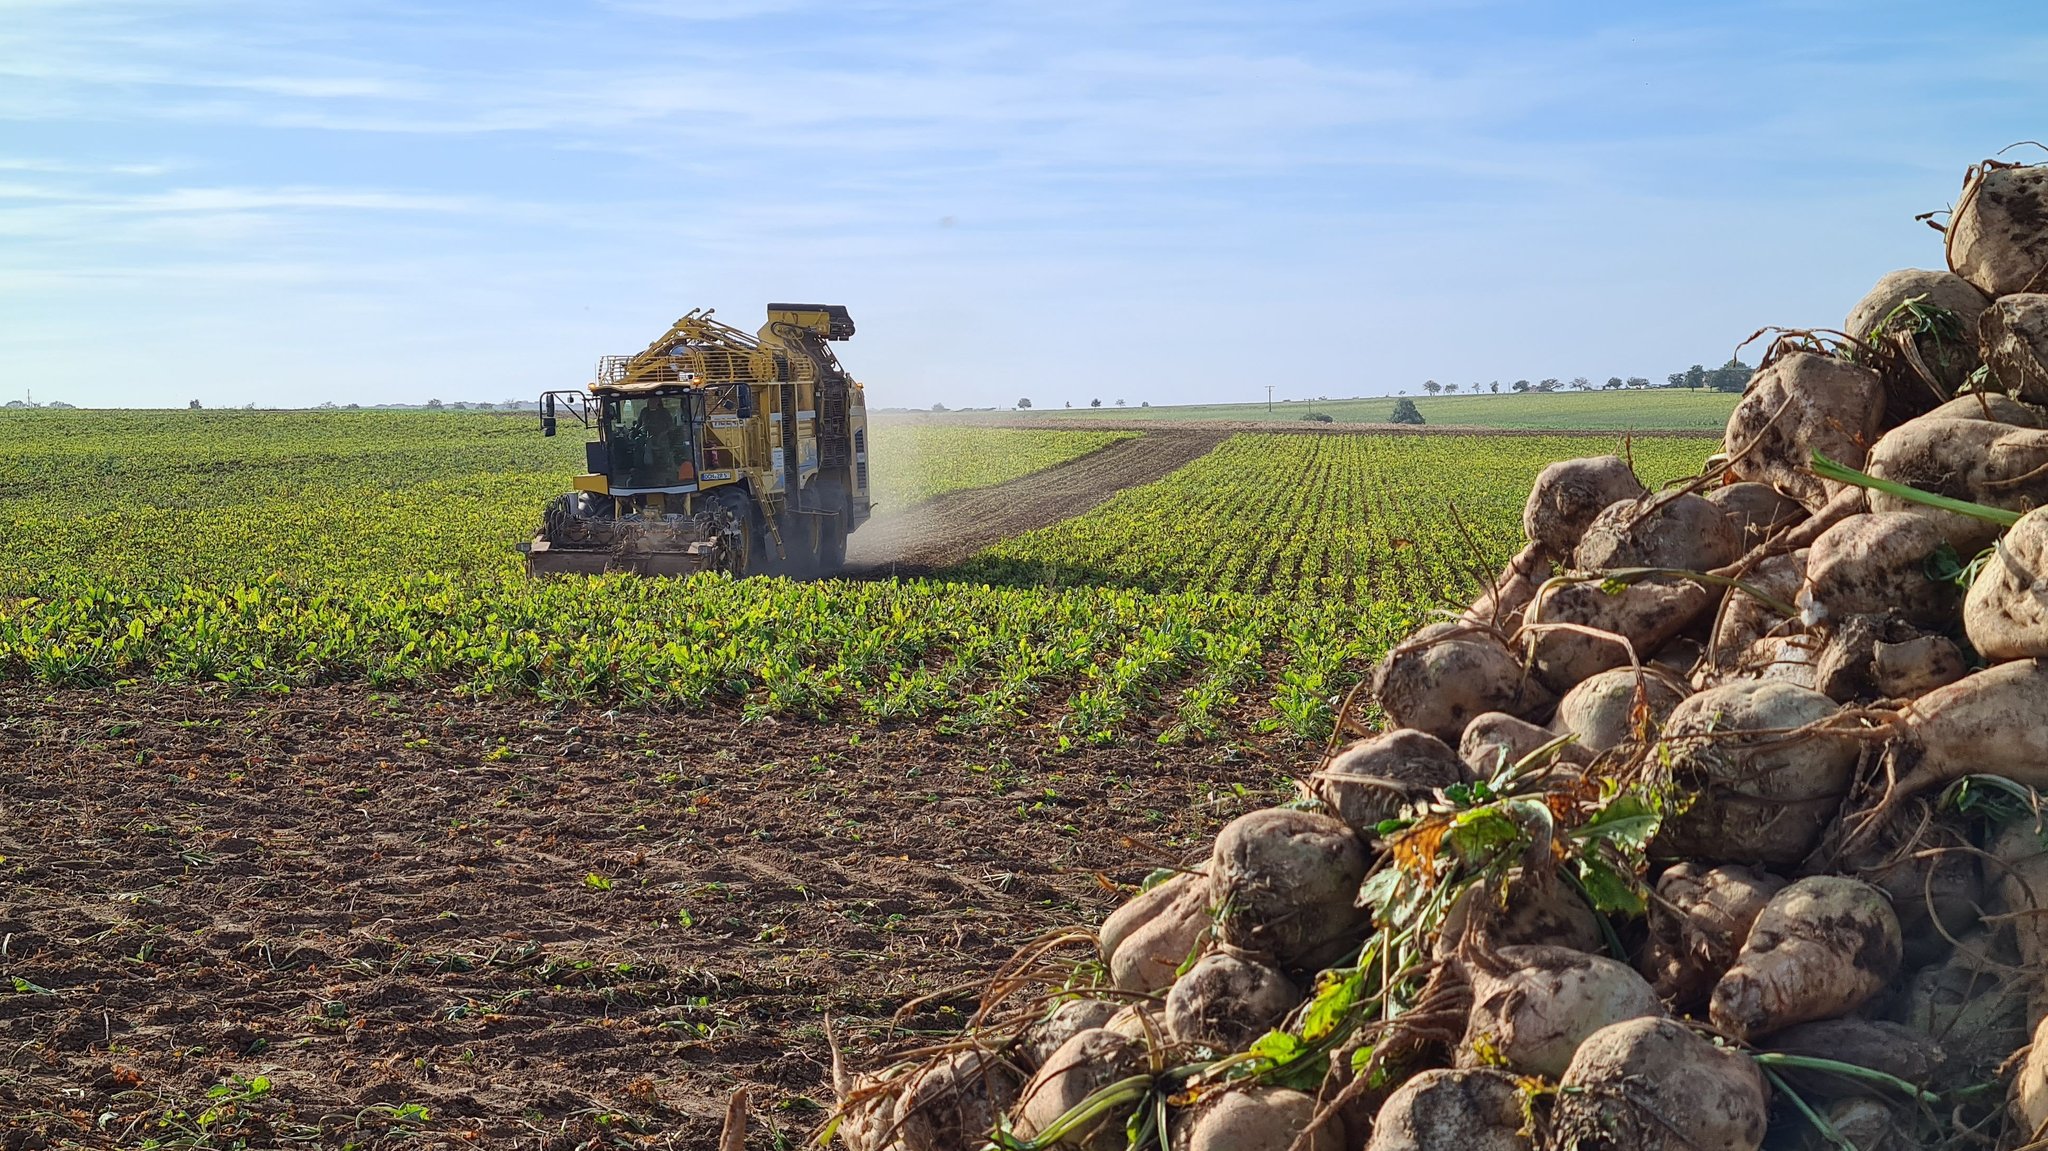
(1269, 399)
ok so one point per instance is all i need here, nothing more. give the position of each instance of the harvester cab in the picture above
(714, 450)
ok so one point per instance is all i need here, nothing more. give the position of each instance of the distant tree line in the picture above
(1732, 376)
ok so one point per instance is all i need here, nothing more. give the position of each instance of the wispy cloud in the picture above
(436, 168)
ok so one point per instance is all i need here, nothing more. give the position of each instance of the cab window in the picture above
(652, 443)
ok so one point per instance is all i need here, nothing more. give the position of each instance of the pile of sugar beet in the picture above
(1711, 825)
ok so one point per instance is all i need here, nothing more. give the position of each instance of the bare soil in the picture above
(414, 919)
(1273, 427)
(948, 529)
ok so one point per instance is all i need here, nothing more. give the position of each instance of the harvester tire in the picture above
(743, 552)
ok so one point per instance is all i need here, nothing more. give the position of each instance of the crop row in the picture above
(1409, 519)
(1090, 660)
(272, 551)
(133, 498)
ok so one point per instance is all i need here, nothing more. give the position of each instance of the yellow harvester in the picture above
(713, 449)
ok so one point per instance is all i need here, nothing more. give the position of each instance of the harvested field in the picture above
(948, 529)
(415, 915)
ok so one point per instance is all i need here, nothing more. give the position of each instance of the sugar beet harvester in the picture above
(714, 450)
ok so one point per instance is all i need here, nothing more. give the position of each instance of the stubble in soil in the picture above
(341, 916)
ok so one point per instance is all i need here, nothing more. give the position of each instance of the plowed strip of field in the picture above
(946, 530)
(385, 919)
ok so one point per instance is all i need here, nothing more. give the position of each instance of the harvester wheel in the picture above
(742, 548)
(832, 546)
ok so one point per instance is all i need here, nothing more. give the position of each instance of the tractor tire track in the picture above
(947, 529)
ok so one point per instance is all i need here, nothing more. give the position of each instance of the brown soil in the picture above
(1301, 428)
(548, 927)
(948, 529)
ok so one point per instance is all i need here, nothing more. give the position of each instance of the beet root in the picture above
(1800, 404)
(1681, 531)
(1822, 947)
(2029, 1100)
(1927, 866)
(2014, 334)
(2021, 888)
(1374, 778)
(1948, 352)
(1612, 708)
(1148, 953)
(1881, 1046)
(1997, 238)
(1745, 619)
(1496, 739)
(1439, 678)
(1877, 563)
(2006, 611)
(1568, 495)
(1992, 406)
(1082, 1066)
(1756, 510)
(1647, 614)
(1062, 1023)
(1525, 910)
(1698, 924)
(1871, 657)
(1533, 1006)
(1472, 1110)
(1224, 1002)
(1989, 463)
(1973, 1003)
(1652, 1084)
(1285, 884)
(1500, 606)
(1762, 795)
(1986, 723)
(1261, 1119)
(954, 1100)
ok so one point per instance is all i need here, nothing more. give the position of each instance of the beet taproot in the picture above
(1259, 1119)
(1994, 464)
(1822, 947)
(1083, 1065)
(1997, 237)
(1698, 923)
(1672, 530)
(1372, 779)
(1470, 1110)
(1224, 1002)
(1798, 405)
(1984, 723)
(1616, 707)
(1574, 630)
(1763, 781)
(1878, 563)
(2006, 612)
(1285, 884)
(1439, 678)
(1569, 494)
(1653, 1084)
(1533, 1006)
(1940, 328)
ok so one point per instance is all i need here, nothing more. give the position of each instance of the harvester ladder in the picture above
(835, 447)
(792, 469)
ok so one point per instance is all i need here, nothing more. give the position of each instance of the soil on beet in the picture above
(385, 919)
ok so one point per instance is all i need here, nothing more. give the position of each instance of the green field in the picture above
(271, 550)
(1657, 409)
(1364, 519)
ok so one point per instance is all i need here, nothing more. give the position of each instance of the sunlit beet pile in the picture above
(1711, 825)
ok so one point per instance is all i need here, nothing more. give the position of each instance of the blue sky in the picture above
(289, 202)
